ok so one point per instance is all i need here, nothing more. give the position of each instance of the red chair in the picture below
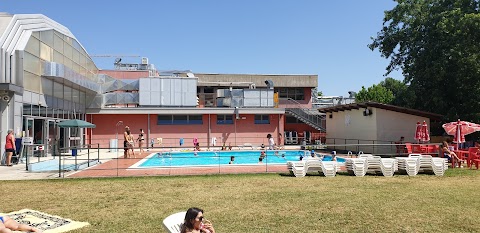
(418, 149)
(476, 162)
(472, 154)
(433, 150)
(408, 147)
(474, 158)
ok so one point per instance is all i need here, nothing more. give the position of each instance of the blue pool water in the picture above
(329, 158)
(215, 158)
(212, 158)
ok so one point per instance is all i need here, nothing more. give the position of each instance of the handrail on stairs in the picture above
(303, 113)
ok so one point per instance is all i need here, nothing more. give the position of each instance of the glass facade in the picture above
(62, 100)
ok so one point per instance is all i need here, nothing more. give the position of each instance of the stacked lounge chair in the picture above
(377, 164)
(329, 168)
(410, 165)
(297, 168)
(356, 166)
(371, 164)
(430, 164)
(301, 168)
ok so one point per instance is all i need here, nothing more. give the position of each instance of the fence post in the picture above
(98, 152)
(88, 156)
(75, 159)
(358, 147)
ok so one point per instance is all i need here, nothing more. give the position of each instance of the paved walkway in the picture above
(111, 167)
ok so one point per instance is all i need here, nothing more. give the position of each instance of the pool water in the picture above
(329, 158)
(215, 158)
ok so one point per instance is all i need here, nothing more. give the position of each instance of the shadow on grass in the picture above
(449, 173)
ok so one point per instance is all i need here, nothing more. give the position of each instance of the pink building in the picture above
(280, 105)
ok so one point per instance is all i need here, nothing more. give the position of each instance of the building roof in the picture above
(432, 116)
(279, 80)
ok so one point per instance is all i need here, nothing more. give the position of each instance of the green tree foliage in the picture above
(402, 95)
(436, 43)
(319, 93)
(375, 93)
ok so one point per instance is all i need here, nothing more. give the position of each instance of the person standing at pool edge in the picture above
(141, 140)
(126, 137)
(271, 142)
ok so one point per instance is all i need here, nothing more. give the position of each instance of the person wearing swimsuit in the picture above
(8, 225)
(141, 140)
(126, 136)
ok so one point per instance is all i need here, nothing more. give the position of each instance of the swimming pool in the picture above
(215, 158)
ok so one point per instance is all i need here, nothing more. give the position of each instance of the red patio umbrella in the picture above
(459, 129)
(425, 135)
(418, 132)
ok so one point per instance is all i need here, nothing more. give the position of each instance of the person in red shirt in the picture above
(9, 147)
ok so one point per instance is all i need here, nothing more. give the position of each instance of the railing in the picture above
(113, 162)
(385, 148)
(306, 115)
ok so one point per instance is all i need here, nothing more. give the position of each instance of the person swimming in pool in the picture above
(8, 225)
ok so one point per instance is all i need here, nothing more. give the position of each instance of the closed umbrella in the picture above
(418, 132)
(459, 129)
(425, 135)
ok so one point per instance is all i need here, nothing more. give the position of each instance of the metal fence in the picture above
(94, 160)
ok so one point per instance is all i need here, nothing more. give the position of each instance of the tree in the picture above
(402, 95)
(436, 43)
(375, 93)
(320, 93)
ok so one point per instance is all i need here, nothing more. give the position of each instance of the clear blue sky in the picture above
(327, 38)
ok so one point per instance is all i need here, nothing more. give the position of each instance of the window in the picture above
(292, 120)
(164, 119)
(292, 93)
(179, 120)
(195, 120)
(262, 119)
(224, 119)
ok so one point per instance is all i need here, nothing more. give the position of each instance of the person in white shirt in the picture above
(271, 142)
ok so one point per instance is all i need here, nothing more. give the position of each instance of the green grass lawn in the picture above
(261, 202)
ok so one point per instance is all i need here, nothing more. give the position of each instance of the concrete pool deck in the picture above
(113, 164)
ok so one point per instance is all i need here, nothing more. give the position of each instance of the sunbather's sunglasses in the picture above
(200, 219)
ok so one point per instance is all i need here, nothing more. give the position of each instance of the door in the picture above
(50, 134)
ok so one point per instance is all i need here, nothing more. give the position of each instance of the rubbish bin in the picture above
(113, 145)
(74, 152)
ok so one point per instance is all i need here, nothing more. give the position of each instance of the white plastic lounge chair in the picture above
(299, 169)
(245, 145)
(356, 166)
(410, 165)
(329, 168)
(173, 222)
(430, 164)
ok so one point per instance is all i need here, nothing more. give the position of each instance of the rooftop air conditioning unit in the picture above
(144, 61)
